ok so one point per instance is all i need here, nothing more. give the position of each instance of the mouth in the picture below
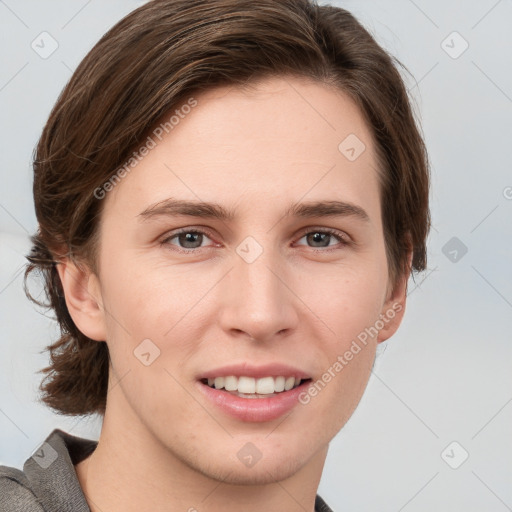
(251, 387)
(252, 393)
(253, 399)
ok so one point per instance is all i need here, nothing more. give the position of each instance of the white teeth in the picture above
(265, 386)
(251, 386)
(246, 385)
(230, 383)
(279, 384)
(289, 383)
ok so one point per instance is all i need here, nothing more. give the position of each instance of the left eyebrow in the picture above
(173, 207)
(327, 209)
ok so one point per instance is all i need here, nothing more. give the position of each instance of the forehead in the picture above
(273, 142)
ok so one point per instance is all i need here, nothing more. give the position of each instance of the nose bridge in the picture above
(257, 300)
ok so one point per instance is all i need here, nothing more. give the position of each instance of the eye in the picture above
(186, 239)
(322, 238)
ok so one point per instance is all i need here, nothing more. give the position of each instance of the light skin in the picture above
(302, 302)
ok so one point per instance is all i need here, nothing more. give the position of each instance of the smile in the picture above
(250, 387)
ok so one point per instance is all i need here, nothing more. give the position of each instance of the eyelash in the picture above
(337, 234)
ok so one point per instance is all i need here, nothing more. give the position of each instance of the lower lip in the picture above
(254, 409)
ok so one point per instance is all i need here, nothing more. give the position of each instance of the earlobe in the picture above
(394, 307)
(391, 318)
(83, 298)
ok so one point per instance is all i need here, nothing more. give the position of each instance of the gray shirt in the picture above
(48, 482)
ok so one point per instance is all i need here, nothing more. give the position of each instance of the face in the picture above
(288, 278)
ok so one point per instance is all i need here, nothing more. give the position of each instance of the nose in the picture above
(257, 299)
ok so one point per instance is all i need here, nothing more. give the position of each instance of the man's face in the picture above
(265, 287)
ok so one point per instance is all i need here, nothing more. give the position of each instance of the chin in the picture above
(229, 465)
(264, 472)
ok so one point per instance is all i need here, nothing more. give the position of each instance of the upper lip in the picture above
(258, 372)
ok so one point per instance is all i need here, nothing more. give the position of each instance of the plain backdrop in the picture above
(433, 430)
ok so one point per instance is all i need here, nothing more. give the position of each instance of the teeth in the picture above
(230, 383)
(289, 383)
(265, 386)
(279, 384)
(251, 386)
(246, 385)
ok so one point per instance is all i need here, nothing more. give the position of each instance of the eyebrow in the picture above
(175, 207)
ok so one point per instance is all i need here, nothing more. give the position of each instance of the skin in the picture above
(163, 445)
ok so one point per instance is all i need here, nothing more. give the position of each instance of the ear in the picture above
(394, 306)
(83, 298)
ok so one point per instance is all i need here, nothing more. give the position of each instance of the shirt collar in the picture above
(51, 473)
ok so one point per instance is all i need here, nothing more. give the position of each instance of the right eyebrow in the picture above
(171, 207)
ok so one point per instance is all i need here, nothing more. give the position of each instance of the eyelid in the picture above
(342, 235)
(188, 229)
(344, 239)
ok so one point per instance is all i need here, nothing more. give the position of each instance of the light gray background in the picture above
(446, 375)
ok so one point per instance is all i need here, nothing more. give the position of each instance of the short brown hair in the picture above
(142, 68)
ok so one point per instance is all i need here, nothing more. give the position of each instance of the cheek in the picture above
(346, 299)
(347, 350)
(136, 290)
(156, 303)
(347, 362)
(349, 383)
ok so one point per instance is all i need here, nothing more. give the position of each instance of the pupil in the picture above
(317, 237)
(190, 237)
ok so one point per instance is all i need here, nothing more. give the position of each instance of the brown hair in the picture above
(146, 65)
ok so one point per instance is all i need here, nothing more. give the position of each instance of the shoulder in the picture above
(321, 506)
(15, 492)
(48, 480)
